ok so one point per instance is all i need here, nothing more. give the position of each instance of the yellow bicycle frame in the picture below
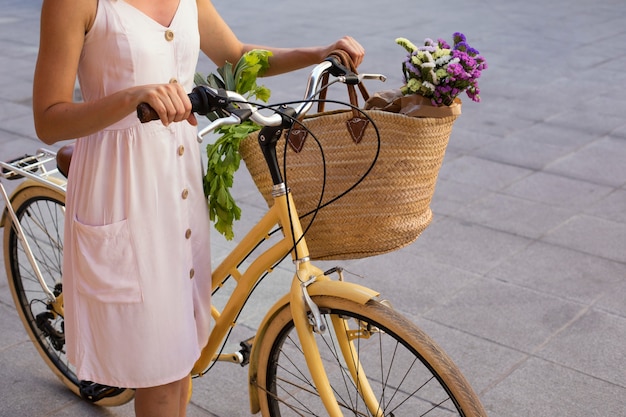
(283, 213)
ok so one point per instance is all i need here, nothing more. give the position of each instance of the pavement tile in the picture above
(620, 132)
(82, 408)
(515, 215)
(601, 162)
(23, 126)
(32, 388)
(516, 317)
(519, 151)
(11, 110)
(13, 333)
(562, 273)
(19, 72)
(560, 191)
(17, 88)
(611, 207)
(593, 235)
(451, 196)
(490, 175)
(591, 345)
(214, 391)
(468, 246)
(557, 136)
(464, 140)
(543, 388)
(613, 301)
(494, 119)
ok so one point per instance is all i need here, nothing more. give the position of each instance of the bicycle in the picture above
(326, 347)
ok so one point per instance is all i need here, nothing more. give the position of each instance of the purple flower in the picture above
(429, 48)
(458, 37)
(456, 74)
(461, 46)
(455, 69)
(471, 51)
(443, 44)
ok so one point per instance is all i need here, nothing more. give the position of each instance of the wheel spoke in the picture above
(41, 218)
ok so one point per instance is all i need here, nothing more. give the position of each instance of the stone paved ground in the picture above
(522, 276)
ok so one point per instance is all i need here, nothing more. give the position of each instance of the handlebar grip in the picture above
(202, 102)
(146, 113)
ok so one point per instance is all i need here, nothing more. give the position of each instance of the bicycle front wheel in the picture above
(41, 214)
(398, 369)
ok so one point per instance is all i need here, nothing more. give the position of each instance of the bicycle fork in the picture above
(301, 302)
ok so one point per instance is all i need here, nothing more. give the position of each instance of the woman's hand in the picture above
(351, 46)
(170, 101)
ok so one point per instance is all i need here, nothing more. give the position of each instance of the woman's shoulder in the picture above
(70, 12)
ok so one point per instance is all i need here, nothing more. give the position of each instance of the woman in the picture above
(136, 265)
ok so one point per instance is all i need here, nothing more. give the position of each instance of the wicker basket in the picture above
(388, 209)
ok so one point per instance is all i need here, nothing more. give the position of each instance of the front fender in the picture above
(340, 289)
(54, 183)
(24, 184)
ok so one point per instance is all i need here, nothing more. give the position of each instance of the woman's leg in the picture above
(185, 396)
(169, 400)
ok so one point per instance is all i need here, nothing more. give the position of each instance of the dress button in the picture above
(181, 150)
(173, 80)
(187, 233)
(169, 35)
(185, 194)
(191, 273)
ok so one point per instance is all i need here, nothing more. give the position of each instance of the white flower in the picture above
(441, 61)
(428, 85)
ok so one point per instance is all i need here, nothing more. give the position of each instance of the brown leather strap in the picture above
(297, 136)
(347, 62)
(356, 125)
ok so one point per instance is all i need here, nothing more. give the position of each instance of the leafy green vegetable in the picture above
(223, 155)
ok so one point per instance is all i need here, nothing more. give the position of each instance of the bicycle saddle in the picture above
(64, 158)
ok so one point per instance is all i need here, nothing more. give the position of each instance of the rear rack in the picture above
(40, 168)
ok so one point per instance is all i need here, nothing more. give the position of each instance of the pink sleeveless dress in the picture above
(137, 266)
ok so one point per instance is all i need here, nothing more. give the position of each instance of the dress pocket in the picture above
(106, 265)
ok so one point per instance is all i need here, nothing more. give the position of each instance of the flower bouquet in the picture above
(441, 72)
(435, 74)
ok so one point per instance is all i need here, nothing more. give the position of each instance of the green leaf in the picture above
(228, 77)
(198, 79)
(263, 93)
(223, 156)
(215, 82)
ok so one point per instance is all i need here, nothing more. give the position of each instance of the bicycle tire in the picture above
(431, 384)
(40, 211)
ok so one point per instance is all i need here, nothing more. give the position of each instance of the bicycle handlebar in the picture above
(205, 99)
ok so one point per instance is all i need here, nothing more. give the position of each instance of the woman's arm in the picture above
(64, 24)
(220, 44)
